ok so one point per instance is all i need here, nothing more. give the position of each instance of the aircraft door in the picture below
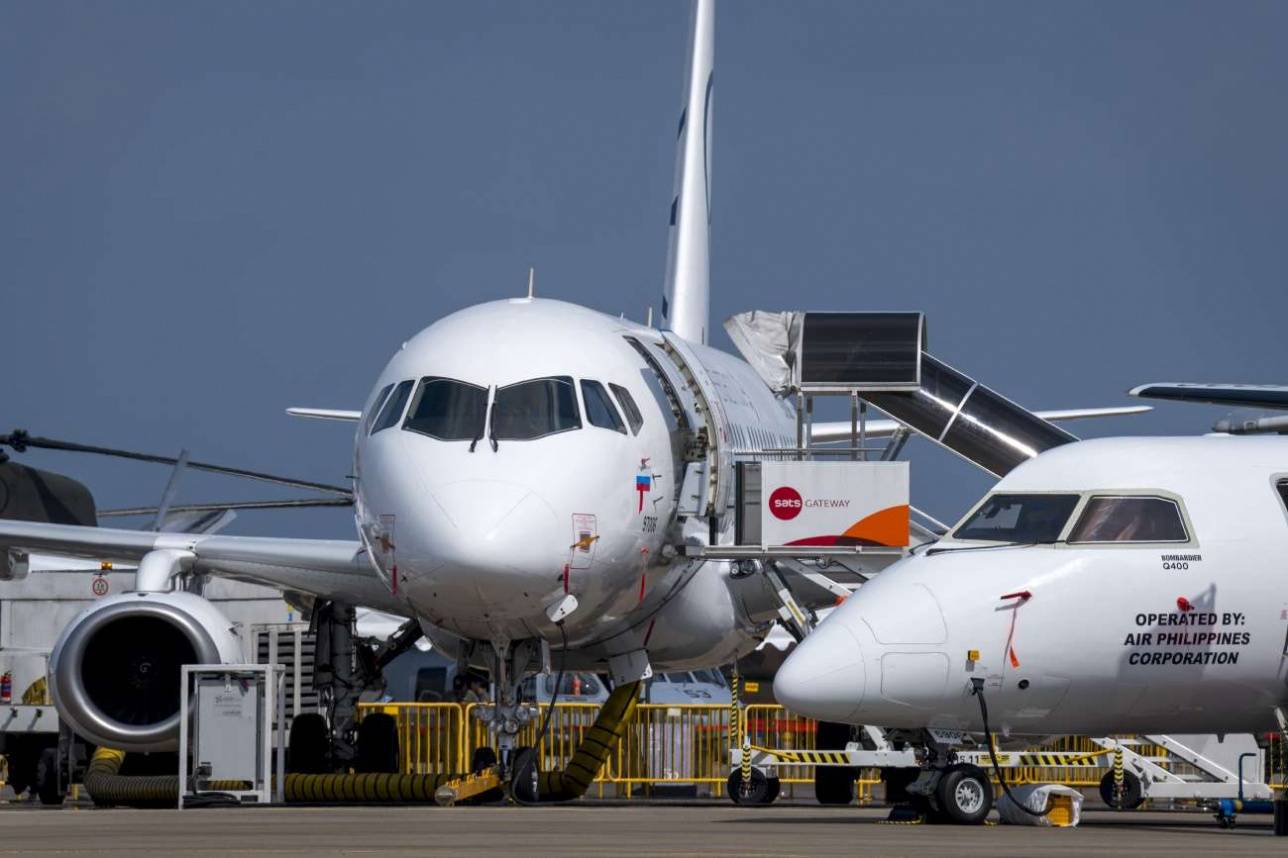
(709, 450)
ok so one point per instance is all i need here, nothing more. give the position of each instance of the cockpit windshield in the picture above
(448, 410)
(533, 409)
(1021, 518)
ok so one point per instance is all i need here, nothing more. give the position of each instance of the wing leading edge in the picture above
(330, 569)
(1272, 396)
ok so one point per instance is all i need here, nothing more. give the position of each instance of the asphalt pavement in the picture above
(623, 829)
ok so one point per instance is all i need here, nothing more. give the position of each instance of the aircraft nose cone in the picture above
(489, 511)
(501, 536)
(824, 677)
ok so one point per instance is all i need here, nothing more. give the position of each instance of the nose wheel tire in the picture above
(524, 774)
(764, 790)
(964, 795)
(1132, 796)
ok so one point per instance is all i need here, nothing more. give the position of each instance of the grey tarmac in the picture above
(604, 829)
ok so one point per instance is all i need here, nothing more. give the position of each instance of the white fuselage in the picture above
(1123, 635)
(478, 544)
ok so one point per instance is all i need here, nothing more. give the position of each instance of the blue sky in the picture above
(212, 211)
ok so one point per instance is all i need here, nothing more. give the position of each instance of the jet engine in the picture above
(114, 672)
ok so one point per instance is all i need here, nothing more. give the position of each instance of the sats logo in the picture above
(785, 503)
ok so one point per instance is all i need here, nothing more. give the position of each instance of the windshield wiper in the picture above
(486, 427)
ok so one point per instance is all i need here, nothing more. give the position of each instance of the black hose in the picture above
(977, 688)
(545, 723)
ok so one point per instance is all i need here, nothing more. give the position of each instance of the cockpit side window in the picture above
(629, 408)
(375, 408)
(1130, 519)
(1282, 487)
(447, 409)
(534, 409)
(393, 409)
(1021, 518)
(599, 408)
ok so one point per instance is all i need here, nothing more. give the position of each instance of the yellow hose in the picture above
(596, 745)
(107, 786)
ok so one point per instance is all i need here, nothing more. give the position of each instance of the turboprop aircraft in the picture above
(533, 495)
(1117, 585)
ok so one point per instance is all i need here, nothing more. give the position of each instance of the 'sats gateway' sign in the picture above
(834, 503)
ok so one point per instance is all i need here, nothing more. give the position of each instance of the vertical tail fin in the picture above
(688, 269)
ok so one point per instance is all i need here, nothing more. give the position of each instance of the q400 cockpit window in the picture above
(534, 409)
(1036, 518)
(1130, 519)
(448, 410)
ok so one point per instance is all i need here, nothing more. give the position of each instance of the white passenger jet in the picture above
(535, 492)
(1118, 585)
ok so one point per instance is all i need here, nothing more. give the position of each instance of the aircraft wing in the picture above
(327, 568)
(822, 433)
(1274, 396)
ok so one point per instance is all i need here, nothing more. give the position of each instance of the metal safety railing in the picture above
(431, 736)
(688, 745)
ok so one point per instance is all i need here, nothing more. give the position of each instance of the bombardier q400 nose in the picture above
(825, 676)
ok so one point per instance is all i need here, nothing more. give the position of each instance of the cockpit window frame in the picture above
(380, 425)
(630, 408)
(587, 386)
(378, 402)
(1081, 511)
(500, 388)
(1085, 495)
(418, 393)
(1064, 529)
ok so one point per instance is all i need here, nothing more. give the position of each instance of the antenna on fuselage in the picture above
(649, 323)
(532, 277)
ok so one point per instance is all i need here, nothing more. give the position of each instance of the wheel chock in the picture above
(467, 787)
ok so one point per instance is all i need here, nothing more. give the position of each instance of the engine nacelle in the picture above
(114, 673)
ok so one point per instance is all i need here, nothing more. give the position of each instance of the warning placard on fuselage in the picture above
(834, 504)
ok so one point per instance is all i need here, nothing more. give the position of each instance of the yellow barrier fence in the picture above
(688, 745)
(431, 736)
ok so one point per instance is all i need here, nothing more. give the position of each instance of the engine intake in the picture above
(114, 673)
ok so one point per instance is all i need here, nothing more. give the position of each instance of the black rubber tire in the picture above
(761, 788)
(309, 747)
(22, 765)
(964, 795)
(834, 785)
(523, 775)
(896, 783)
(1133, 796)
(775, 787)
(378, 745)
(46, 784)
(484, 757)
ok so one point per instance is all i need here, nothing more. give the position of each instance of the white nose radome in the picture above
(500, 537)
(824, 677)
